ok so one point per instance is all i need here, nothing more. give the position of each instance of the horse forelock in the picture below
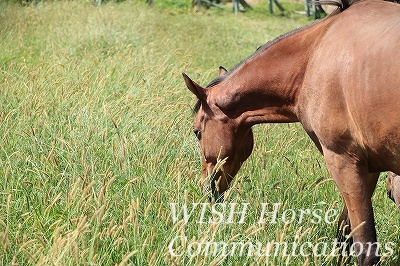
(196, 107)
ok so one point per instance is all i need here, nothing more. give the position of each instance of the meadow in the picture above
(96, 141)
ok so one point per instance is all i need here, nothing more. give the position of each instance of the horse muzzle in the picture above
(210, 186)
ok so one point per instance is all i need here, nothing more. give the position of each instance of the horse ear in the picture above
(222, 71)
(195, 88)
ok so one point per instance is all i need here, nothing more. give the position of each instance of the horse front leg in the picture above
(344, 228)
(356, 186)
(342, 231)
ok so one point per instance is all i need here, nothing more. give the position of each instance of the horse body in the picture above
(340, 79)
(347, 108)
(359, 82)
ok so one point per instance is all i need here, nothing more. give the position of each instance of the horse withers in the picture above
(340, 79)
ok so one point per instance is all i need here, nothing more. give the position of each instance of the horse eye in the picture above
(197, 133)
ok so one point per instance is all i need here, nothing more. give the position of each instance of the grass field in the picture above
(96, 140)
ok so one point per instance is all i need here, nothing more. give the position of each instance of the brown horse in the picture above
(340, 79)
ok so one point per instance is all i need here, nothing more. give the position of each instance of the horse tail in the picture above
(341, 4)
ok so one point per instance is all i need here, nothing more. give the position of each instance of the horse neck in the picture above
(265, 87)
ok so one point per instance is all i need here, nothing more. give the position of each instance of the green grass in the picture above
(96, 138)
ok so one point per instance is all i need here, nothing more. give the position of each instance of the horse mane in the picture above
(341, 6)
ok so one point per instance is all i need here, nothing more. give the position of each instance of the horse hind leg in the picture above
(393, 188)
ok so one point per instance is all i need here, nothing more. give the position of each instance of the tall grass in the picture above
(96, 142)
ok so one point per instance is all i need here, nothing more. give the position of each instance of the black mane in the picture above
(342, 5)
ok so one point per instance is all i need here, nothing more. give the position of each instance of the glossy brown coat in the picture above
(340, 78)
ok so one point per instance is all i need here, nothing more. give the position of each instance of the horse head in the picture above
(224, 141)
